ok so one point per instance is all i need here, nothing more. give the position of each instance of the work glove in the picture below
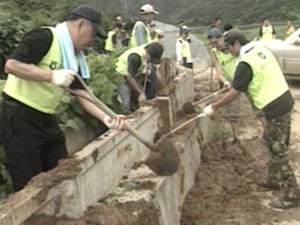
(208, 110)
(63, 77)
(117, 123)
(142, 99)
(227, 84)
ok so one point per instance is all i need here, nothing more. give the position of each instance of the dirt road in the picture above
(226, 190)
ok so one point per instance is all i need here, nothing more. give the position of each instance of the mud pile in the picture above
(226, 190)
(134, 213)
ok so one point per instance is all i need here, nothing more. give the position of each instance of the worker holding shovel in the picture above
(44, 64)
(259, 74)
(135, 65)
(225, 65)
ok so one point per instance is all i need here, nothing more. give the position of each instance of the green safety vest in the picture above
(268, 82)
(185, 49)
(228, 63)
(133, 41)
(108, 43)
(122, 63)
(267, 33)
(42, 96)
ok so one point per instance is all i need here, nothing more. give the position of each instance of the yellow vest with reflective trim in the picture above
(133, 42)
(268, 82)
(122, 63)
(267, 33)
(108, 43)
(228, 63)
(42, 96)
(185, 49)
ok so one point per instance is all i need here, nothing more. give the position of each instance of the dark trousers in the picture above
(186, 64)
(32, 140)
(150, 91)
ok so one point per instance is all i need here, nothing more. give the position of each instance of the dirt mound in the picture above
(130, 213)
(225, 189)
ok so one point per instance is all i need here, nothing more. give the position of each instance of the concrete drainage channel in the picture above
(105, 183)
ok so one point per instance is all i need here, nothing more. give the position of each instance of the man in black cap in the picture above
(134, 65)
(259, 74)
(45, 63)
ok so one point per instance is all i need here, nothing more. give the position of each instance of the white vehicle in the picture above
(287, 53)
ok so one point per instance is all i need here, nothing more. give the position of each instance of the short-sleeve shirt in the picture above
(134, 63)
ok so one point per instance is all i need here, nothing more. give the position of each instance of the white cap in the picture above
(147, 8)
(159, 32)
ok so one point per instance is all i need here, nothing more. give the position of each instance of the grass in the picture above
(251, 31)
(219, 131)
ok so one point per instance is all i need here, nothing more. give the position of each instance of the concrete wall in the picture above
(91, 173)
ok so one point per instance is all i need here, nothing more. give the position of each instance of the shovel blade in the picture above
(165, 160)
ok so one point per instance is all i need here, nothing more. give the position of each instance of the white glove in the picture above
(116, 123)
(227, 84)
(208, 110)
(63, 78)
(142, 99)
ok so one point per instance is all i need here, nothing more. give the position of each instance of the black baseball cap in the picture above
(214, 33)
(155, 50)
(91, 14)
(235, 35)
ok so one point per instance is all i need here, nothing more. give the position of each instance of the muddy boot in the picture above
(291, 198)
(285, 204)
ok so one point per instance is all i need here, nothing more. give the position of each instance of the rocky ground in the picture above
(226, 190)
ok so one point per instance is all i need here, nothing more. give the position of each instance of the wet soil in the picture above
(131, 213)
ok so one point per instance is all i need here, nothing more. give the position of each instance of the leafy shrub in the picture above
(11, 31)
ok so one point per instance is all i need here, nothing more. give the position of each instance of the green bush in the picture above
(11, 31)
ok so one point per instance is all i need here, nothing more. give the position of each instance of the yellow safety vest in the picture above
(268, 82)
(42, 96)
(122, 63)
(228, 63)
(290, 31)
(267, 33)
(108, 43)
(185, 49)
(133, 42)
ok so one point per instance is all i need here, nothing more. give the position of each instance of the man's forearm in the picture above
(132, 82)
(27, 71)
(88, 106)
(228, 97)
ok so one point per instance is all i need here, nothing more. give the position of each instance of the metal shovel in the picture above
(167, 158)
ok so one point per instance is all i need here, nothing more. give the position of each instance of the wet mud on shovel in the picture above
(163, 159)
(166, 159)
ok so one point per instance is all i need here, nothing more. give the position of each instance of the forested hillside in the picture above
(202, 12)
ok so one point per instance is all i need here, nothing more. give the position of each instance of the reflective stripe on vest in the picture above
(267, 33)
(41, 96)
(122, 63)
(133, 41)
(108, 43)
(228, 63)
(268, 82)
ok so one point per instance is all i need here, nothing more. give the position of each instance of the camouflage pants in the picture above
(280, 174)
